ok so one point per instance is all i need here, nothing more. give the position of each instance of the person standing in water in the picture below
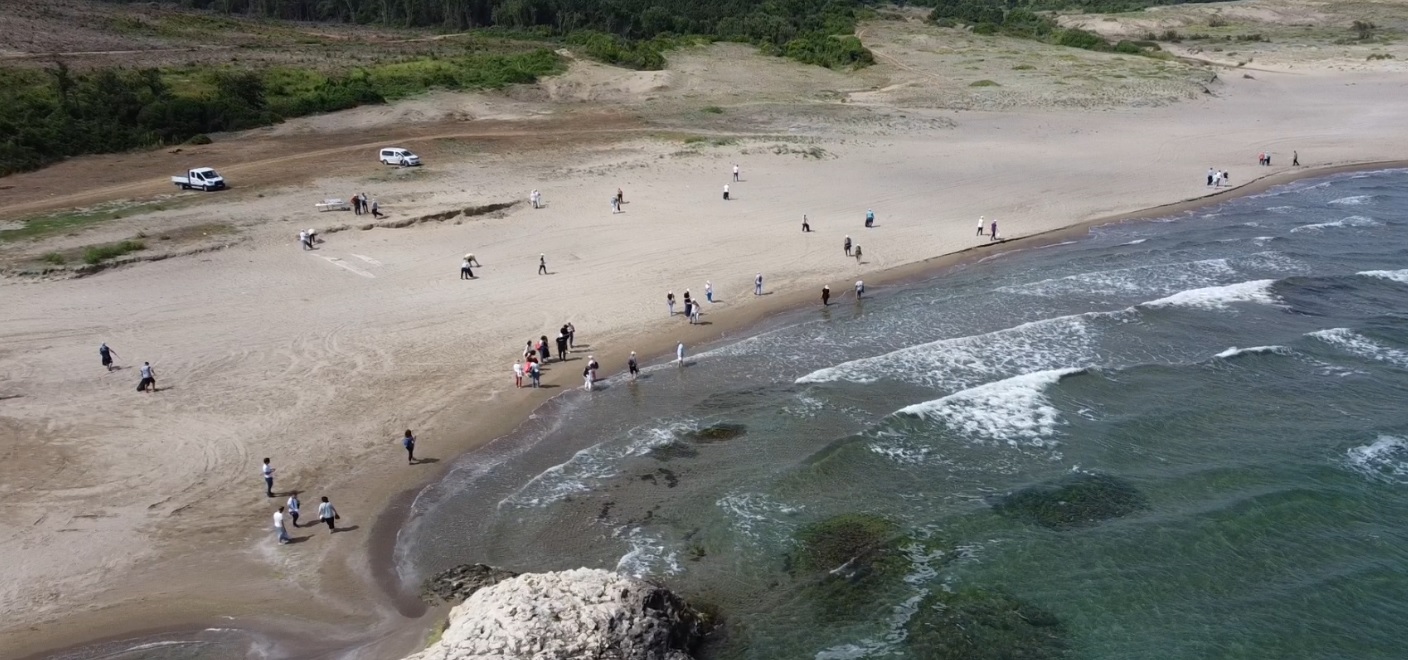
(847, 246)
(981, 220)
(806, 228)
(860, 289)
(106, 354)
(825, 296)
(587, 378)
(679, 354)
(409, 442)
(633, 366)
(758, 285)
(543, 264)
(709, 290)
(670, 301)
(328, 515)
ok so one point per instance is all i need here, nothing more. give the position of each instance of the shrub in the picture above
(53, 258)
(199, 138)
(712, 109)
(1170, 36)
(1380, 56)
(985, 29)
(1363, 29)
(100, 253)
(1216, 21)
(1077, 38)
(983, 83)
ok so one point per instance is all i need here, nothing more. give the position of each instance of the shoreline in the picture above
(376, 553)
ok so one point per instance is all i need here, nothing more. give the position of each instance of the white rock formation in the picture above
(582, 613)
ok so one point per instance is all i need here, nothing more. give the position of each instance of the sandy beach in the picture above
(132, 511)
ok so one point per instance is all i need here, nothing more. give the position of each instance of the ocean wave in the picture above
(588, 466)
(1384, 460)
(1135, 280)
(1136, 241)
(1395, 275)
(961, 362)
(649, 556)
(1351, 221)
(1253, 350)
(1014, 411)
(1218, 297)
(1356, 344)
(751, 512)
(1354, 200)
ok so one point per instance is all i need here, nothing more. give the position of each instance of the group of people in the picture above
(851, 250)
(826, 292)
(691, 304)
(327, 513)
(146, 374)
(1218, 178)
(361, 206)
(536, 354)
(1264, 159)
(618, 200)
(307, 238)
(992, 228)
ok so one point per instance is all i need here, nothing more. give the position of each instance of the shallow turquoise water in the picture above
(1243, 367)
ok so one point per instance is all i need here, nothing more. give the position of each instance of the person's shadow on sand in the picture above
(349, 528)
(427, 461)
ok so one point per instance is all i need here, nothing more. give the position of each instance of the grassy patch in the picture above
(99, 253)
(983, 83)
(712, 109)
(1023, 67)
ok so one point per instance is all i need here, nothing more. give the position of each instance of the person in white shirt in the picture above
(981, 221)
(293, 505)
(303, 238)
(694, 314)
(328, 514)
(268, 471)
(679, 354)
(735, 171)
(725, 192)
(518, 373)
(758, 285)
(148, 378)
(709, 291)
(860, 289)
(465, 272)
(537, 199)
(279, 526)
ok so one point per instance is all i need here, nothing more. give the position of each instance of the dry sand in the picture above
(129, 511)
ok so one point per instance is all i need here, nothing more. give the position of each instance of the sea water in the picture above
(1243, 367)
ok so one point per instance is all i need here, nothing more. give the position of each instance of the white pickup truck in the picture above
(203, 178)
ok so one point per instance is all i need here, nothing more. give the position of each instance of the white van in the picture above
(399, 156)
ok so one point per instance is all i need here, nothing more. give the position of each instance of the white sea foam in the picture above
(1395, 275)
(752, 513)
(958, 363)
(649, 556)
(1014, 411)
(901, 454)
(1253, 350)
(1384, 460)
(588, 466)
(1353, 200)
(1351, 221)
(1356, 344)
(1136, 241)
(1219, 297)
(1139, 279)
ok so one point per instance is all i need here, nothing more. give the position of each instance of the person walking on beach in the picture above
(615, 206)
(106, 354)
(806, 228)
(620, 198)
(860, 289)
(825, 296)
(562, 346)
(279, 527)
(376, 210)
(694, 314)
(847, 246)
(993, 234)
(587, 378)
(1211, 174)
(518, 373)
(687, 301)
(303, 239)
(709, 290)
(688, 308)
(465, 272)
(670, 301)
(148, 378)
(327, 514)
(857, 254)
(735, 171)
(543, 264)
(571, 335)
(725, 192)
(409, 442)
(869, 218)
(758, 285)
(1295, 159)
(536, 199)
(544, 352)
(981, 221)
(535, 373)
(679, 354)
(293, 507)
(268, 471)
(633, 366)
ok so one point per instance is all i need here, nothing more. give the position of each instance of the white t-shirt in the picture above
(146, 371)
(517, 369)
(725, 187)
(735, 169)
(268, 471)
(278, 520)
(326, 511)
(679, 350)
(464, 264)
(293, 505)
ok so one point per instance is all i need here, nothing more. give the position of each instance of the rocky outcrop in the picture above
(583, 613)
(459, 583)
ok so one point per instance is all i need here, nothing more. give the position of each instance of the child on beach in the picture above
(670, 301)
(860, 289)
(709, 291)
(518, 373)
(805, 227)
(825, 296)
(981, 221)
(694, 314)
(409, 442)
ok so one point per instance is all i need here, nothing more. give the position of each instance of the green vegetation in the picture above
(983, 83)
(65, 223)
(46, 116)
(1080, 501)
(717, 433)
(978, 625)
(857, 541)
(53, 258)
(1021, 18)
(100, 253)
